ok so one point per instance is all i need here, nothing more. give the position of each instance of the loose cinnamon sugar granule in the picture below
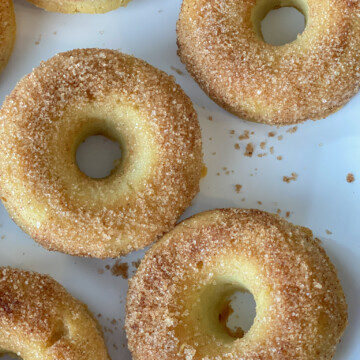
(292, 130)
(350, 178)
(249, 150)
(262, 145)
(287, 214)
(328, 232)
(237, 146)
(120, 269)
(204, 171)
(178, 71)
(271, 134)
(272, 150)
(214, 153)
(262, 155)
(238, 188)
(259, 202)
(232, 132)
(107, 267)
(293, 177)
(210, 118)
(245, 135)
(217, 174)
(279, 157)
(280, 137)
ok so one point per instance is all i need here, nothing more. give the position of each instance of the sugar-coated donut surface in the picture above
(82, 93)
(173, 300)
(7, 31)
(222, 46)
(40, 320)
(79, 6)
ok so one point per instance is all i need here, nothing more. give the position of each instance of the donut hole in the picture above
(280, 22)
(98, 156)
(282, 26)
(237, 313)
(226, 309)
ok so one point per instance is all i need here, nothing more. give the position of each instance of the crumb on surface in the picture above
(249, 150)
(262, 145)
(272, 150)
(293, 177)
(120, 269)
(261, 155)
(279, 157)
(210, 118)
(350, 178)
(271, 134)
(238, 188)
(237, 146)
(328, 232)
(100, 271)
(244, 135)
(280, 137)
(292, 130)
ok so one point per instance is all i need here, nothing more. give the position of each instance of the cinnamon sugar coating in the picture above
(173, 300)
(80, 6)
(40, 320)
(221, 44)
(7, 31)
(82, 93)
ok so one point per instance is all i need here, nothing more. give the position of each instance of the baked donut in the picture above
(79, 6)
(7, 31)
(87, 92)
(175, 300)
(39, 319)
(222, 46)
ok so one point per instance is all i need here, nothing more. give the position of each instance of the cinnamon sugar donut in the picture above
(79, 6)
(7, 31)
(39, 319)
(86, 92)
(222, 46)
(174, 303)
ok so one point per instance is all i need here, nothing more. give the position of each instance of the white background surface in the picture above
(322, 153)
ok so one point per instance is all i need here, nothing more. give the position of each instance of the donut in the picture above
(39, 319)
(222, 46)
(79, 6)
(7, 31)
(87, 92)
(179, 294)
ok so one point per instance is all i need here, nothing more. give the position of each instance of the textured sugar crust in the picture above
(7, 31)
(80, 6)
(220, 43)
(172, 300)
(86, 92)
(40, 320)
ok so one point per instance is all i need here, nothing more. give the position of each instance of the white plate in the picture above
(322, 153)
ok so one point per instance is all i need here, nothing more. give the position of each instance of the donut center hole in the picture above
(237, 313)
(282, 25)
(98, 156)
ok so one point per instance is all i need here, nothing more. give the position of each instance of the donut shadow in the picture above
(344, 261)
